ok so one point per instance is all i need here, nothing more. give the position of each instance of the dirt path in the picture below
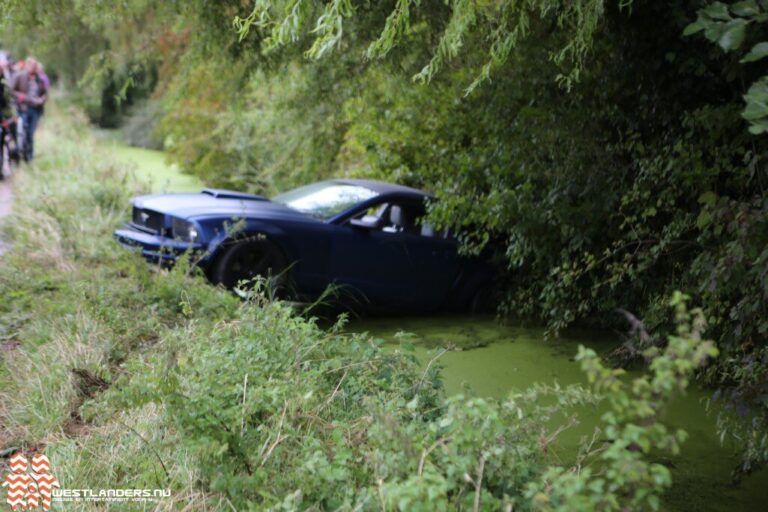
(6, 198)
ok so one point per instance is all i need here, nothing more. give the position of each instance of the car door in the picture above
(436, 262)
(371, 265)
(432, 255)
(393, 265)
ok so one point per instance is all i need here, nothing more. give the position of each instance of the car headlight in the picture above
(184, 230)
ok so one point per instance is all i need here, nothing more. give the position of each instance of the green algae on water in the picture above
(489, 359)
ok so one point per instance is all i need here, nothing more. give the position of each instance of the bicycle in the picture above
(10, 146)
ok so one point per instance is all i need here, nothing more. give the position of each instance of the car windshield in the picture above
(325, 199)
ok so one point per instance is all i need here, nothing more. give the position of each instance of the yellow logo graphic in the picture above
(30, 491)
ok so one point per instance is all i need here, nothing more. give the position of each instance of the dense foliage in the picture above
(608, 152)
(727, 25)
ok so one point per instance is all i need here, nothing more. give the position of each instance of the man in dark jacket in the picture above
(31, 94)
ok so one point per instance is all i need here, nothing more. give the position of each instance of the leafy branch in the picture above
(504, 24)
(727, 26)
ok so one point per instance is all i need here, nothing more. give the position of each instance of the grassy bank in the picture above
(132, 377)
(76, 309)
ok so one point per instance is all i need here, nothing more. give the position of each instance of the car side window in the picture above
(409, 218)
(374, 216)
(399, 217)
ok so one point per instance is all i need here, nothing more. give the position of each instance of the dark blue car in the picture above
(367, 238)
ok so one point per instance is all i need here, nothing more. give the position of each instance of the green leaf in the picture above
(746, 8)
(757, 101)
(704, 220)
(717, 11)
(696, 26)
(733, 35)
(708, 198)
(758, 127)
(757, 52)
(714, 31)
(649, 212)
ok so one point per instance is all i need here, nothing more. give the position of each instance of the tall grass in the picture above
(75, 307)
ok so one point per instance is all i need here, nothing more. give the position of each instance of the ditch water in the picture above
(492, 359)
(149, 165)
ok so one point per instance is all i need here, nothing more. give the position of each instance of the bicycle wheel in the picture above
(5, 160)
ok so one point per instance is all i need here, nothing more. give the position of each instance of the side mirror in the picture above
(368, 222)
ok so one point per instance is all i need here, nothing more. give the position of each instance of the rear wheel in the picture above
(249, 259)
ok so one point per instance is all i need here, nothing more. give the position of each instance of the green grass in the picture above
(81, 307)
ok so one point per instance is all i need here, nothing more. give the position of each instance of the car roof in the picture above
(381, 187)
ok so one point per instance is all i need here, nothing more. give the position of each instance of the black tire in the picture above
(246, 260)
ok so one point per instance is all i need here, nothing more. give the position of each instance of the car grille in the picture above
(148, 220)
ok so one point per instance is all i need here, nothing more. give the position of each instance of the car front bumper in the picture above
(158, 249)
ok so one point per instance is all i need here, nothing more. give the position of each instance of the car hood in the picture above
(217, 203)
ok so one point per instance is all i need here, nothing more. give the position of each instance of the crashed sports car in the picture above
(364, 239)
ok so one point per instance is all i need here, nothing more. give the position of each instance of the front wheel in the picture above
(246, 260)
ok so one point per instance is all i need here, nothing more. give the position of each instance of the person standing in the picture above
(31, 94)
(6, 66)
(7, 120)
(43, 76)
